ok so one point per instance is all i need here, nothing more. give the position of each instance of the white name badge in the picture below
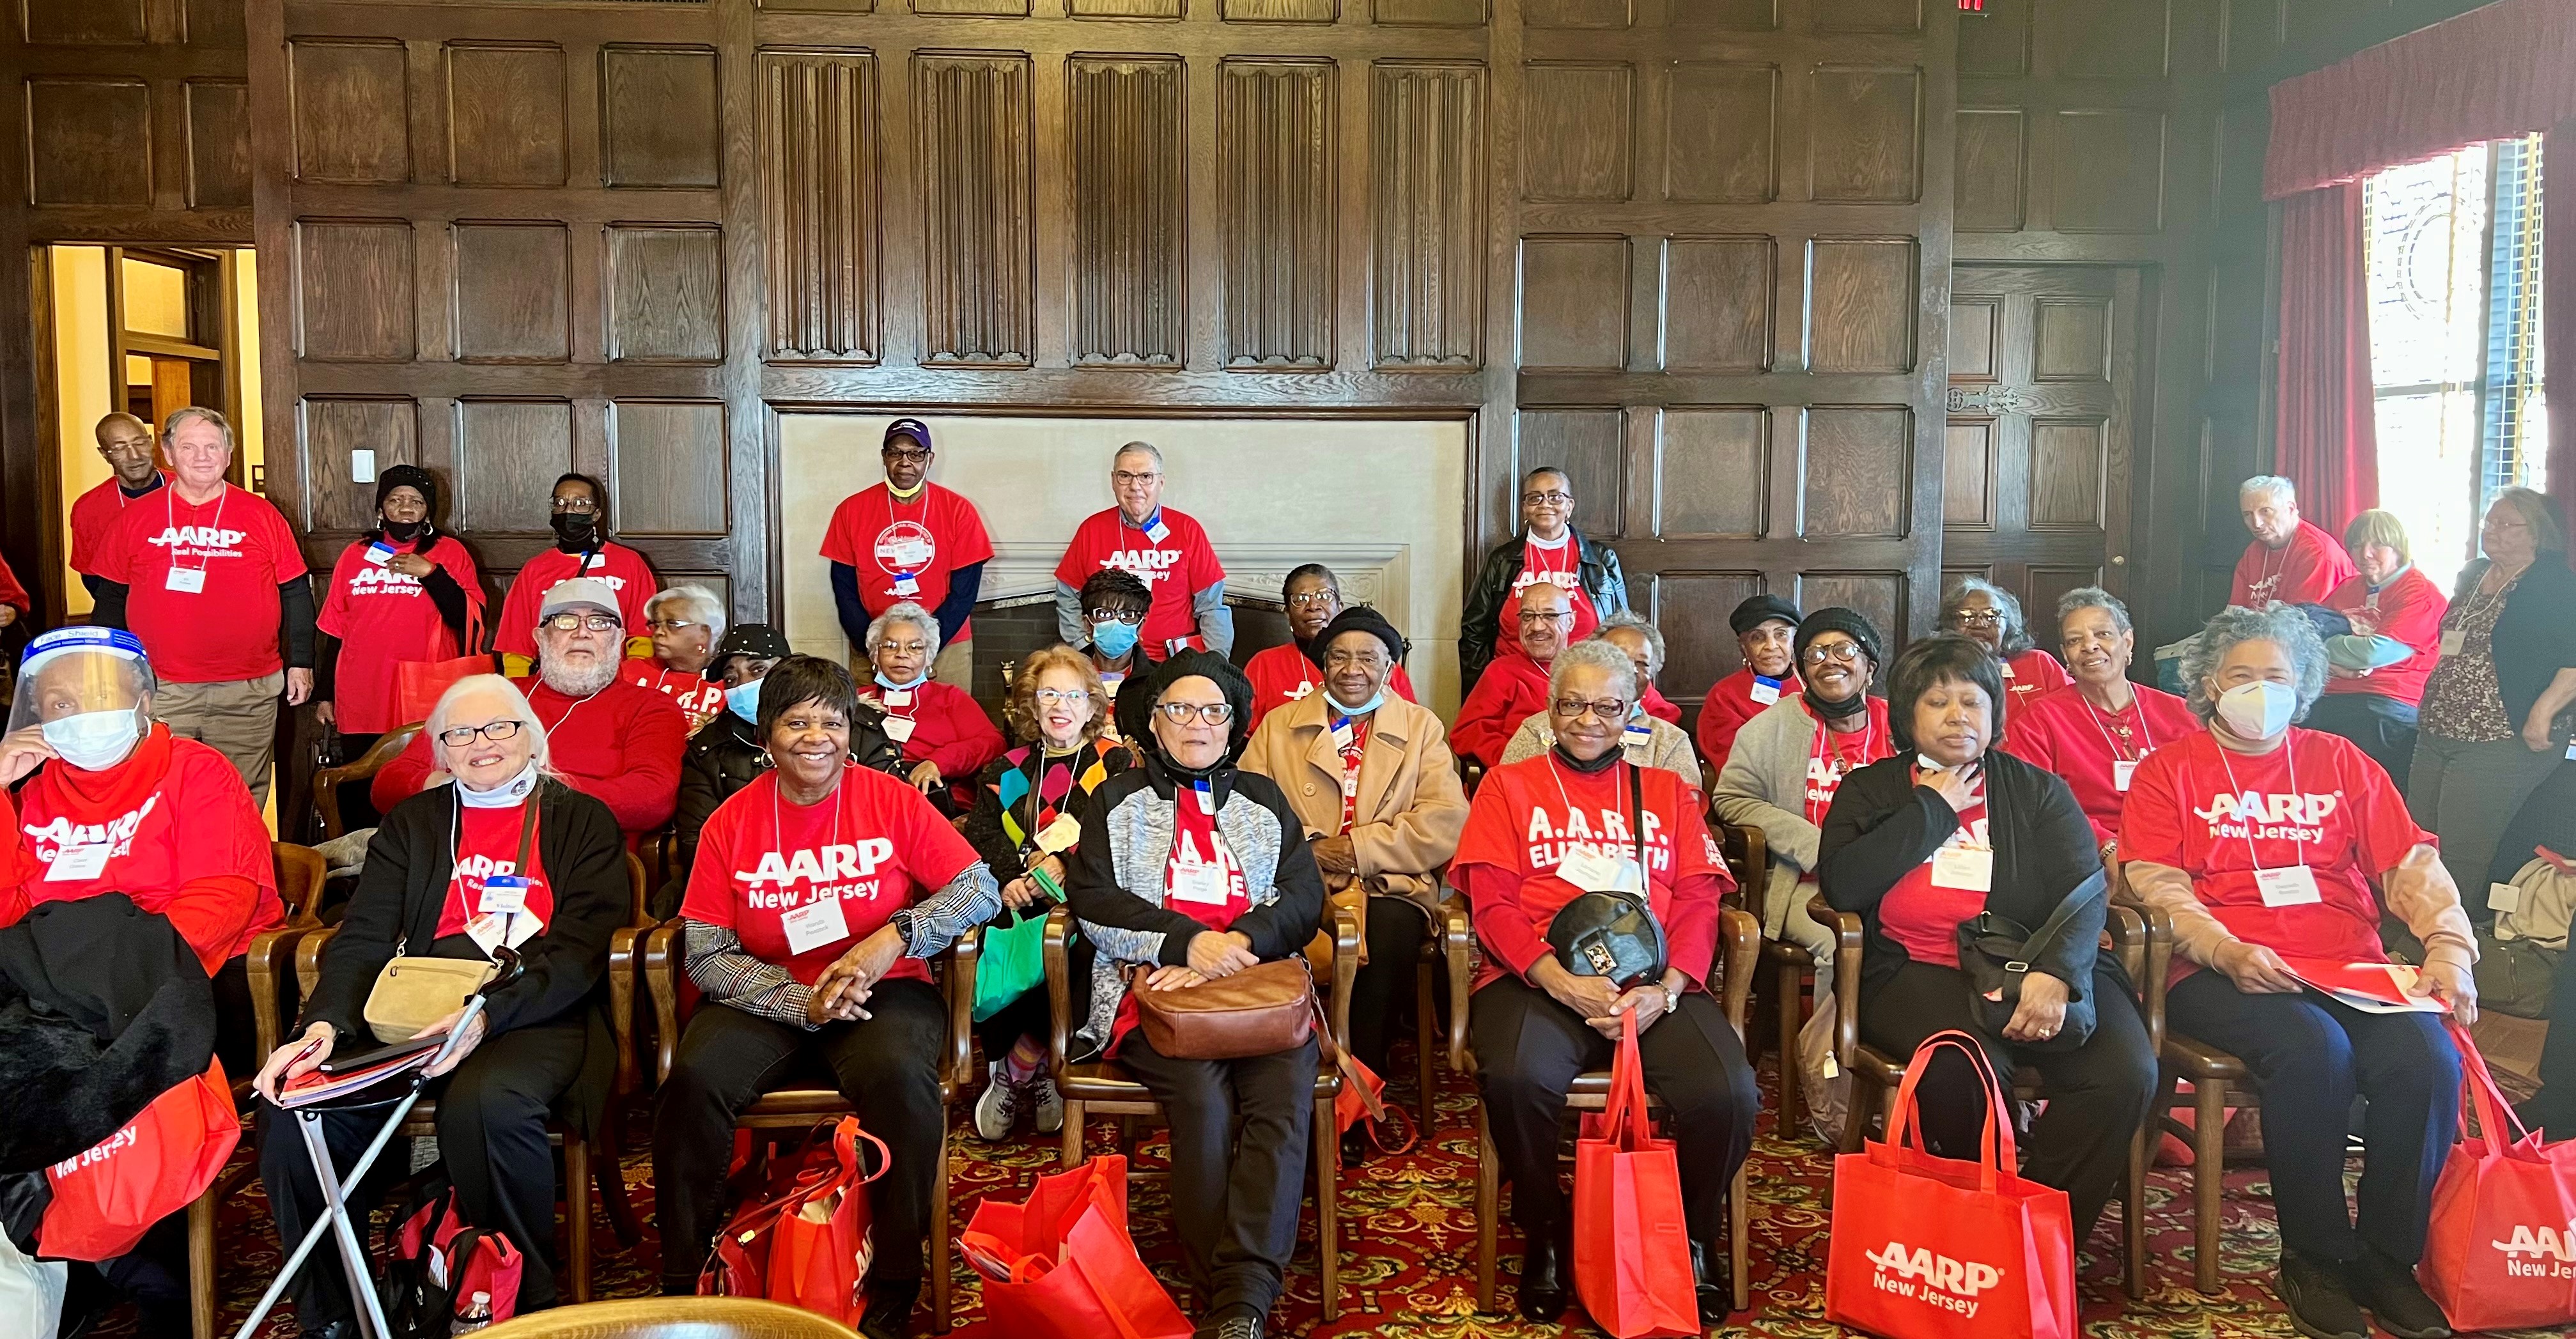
(1969, 869)
(2453, 640)
(896, 697)
(905, 585)
(1203, 884)
(2292, 887)
(898, 728)
(1059, 836)
(2571, 750)
(1597, 871)
(186, 580)
(2121, 774)
(2008, 671)
(79, 862)
(503, 893)
(815, 925)
(1158, 532)
(379, 553)
(1765, 693)
(2502, 897)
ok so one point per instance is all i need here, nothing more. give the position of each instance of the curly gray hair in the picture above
(1593, 653)
(1648, 632)
(2016, 638)
(2093, 597)
(905, 611)
(2234, 626)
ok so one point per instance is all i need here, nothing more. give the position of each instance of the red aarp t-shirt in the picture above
(2304, 571)
(1559, 564)
(1175, 567)
(1282, 674)
(1834, 754)
(874, 846)
(2317, 801)
(234, 551)
(622, 568)
(95, 514)
(383, 618)
(1922, 916)
(487, 844)
(2408, 609)
(698, 697)
(2030, 674)
(884, 538)
(2066, 734)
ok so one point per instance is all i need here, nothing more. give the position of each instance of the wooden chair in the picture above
(674, 1318)
(1739, 941)
(1748, 854)
(799, 1109)
(2218, 1081)
(1105, 1088)
(2143, 954)
(327, 781)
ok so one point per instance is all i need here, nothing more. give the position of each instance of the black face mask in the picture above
(575, 531)
(403, 531)
(1835, 711)
(1605, 762)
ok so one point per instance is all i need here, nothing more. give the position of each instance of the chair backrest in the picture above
(327, 782)
(1748, 858)
(301, 871)
(673, 1318)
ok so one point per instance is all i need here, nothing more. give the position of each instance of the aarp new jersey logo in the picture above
(1931, 1278)
(2539, 1251)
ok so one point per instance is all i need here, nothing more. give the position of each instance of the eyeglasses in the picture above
(1982, 618)
(907, 455)
(496, 731)
(1185, 713)
(1611, 710)
(1130, 617)
(1367, 659)
(668, 624)
(577, 622)
(1846, 652)
(1132, 477)
(1531, 618)
(905, 648)
(1320, 599)
(1063, 697)
(578, 506)
(1546, 499)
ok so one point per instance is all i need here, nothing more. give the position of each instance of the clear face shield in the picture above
(91, 697)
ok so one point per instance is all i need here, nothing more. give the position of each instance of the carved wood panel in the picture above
(1277, 156)
(1427, 132)
(978, 300)
(820, 203)
(1123, 120)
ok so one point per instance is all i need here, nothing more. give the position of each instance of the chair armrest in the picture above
(636, 892)
(623, 943)
(1458, 947)
(662, 979)
(271, 957)
(1748, 858)
(1739, 939)
(2160, 946)
(2127, 931)
(1059, 936)
(327, 782)
(308, 959)
(1847, 934)
(963, 956)
(1346, 970)
(301, 872)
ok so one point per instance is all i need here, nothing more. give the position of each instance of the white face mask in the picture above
(502, 796)
(94, 741)
(2258, 710)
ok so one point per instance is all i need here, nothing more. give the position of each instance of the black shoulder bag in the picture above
(1995, 954)
(1613, 935)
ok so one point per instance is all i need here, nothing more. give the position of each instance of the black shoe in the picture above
(1355, 1145)
(2320, 1305)
(2395, 1301)
(889, 1313)
(1714, 1270)
(1234, 1322)
(343, 1328)
(1544, 1283)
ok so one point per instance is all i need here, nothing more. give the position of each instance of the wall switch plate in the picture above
(362, 467)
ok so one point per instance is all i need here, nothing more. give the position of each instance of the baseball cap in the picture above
(909, 427)
(756, 640)
(577, 592)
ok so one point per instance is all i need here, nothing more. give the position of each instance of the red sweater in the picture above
(1511, 690)
(2304, 571)
(1282, 674)
(11, 593)
(1729, 704)
(620, 746)
(948, 728)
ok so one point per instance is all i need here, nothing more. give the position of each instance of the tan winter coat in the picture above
(1411, 806)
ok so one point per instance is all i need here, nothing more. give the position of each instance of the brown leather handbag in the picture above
(1258, 1011)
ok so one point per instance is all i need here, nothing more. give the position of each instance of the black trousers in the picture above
(887, 1065)
(236, 1022)
(1529, 1048)
(2383, 726)
(1241, 1131)
(492, 1136)
(2311, 1058)
(2097, 1093)
(1383, 990)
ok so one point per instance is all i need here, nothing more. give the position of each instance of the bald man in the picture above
(125, 442)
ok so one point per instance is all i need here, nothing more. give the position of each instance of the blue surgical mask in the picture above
(743, 700)
(94, 741)
(2258, 710)
(891, 686)
(1362, 709)
(1113, 638)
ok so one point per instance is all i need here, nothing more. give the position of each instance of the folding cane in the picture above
(335, 1213)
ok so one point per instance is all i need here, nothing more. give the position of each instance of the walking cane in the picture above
(335, 1214)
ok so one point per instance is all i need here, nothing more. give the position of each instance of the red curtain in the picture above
(2326, 438)
(2558, 310)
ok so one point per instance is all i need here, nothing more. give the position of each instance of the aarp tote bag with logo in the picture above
(1632, 1266)
(1940, 1248)
(820, 1250)
(109, 1195)
(2500, 1252)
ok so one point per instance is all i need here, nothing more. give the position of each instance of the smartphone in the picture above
(349, 1064)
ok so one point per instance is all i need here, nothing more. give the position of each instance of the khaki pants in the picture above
(955, 665)
(237, 719)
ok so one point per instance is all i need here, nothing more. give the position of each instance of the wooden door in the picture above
(2042, 410)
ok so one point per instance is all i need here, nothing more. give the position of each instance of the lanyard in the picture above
(922, 495)
(170, 511)
(2290, 757)
(778, 825)
(568, 711)
(1822, 747)
(2136, 704)
(1636, 792)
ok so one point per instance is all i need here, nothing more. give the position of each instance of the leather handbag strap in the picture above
(2076, 900)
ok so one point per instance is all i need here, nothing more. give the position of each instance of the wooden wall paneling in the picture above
(1861, 304)
(1436, 13)
(820, 203)
(1712, 468)
(658, 116)
(1699, 649)
(1574, 303)
(512, 288)
(329, 429)
(1124, 150)
(1718, 303)
(665, 294)
(1589, 444)
(218, 130)
(90, 141)
(1579, 141)
(1280, 11)
(1278, 201)
(1722, 133)
(1428, 141)
(508, 454)
(507, 124)
(974, 168)
(668, 459)
(352, 111)
(354, 290)
(99, 22)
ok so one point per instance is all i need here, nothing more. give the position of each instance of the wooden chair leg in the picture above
(2208, 1178)
(1739, 1246)
(1328, 1239)
(1426, 1025)
(1856, 1116)
(939, 1240)
(201, 1265)
(1073, 1113)
(2133, 1214)
(1488, 1199)
(1793, 1105)
(611, 1178)
(577, 1209)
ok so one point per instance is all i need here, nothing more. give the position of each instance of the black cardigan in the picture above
(2535, 632)
(404, 888)
(1883, 825)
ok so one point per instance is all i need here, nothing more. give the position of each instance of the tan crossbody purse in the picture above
(413, 992)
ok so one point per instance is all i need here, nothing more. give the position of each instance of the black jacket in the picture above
(2535, 632)
(1883, 825)
(723, 757)
(103, 1007)
(1596, 567)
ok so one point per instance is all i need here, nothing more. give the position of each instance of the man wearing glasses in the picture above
(579, 518)
(1515, 685)
(908, 540)
(1548, 549)
(125, 443)
(2290, 560)
(615, 742)
(1291, 672)
(1166, 549)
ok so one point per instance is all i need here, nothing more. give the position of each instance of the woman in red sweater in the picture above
(945, 737)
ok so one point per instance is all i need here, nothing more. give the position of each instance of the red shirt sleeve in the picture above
(934, 852)
(1205, 570)
(1481, 733)
(517, 634)
(1700, 884)
(973, 740)
(1488, 869)
(1081, 557)
(334, 615)
(116, 549)
(1661, 707)
(2315, 565)
(11, 593)
(840, 539)
(2417, 618)
(965, 543)
(286, 556)
(2388, 829)
(1402, 684)
(404, 777)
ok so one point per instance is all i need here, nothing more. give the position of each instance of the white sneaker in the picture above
(1049, 1105)
(999, 1108)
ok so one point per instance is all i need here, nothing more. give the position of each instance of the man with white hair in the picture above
(615, 742)
(1166, 549)
(213, 582)
(685, 622)
(2290, 561)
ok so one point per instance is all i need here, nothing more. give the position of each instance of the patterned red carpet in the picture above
(1409, 1245)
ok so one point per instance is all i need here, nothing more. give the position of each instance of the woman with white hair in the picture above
(1990, 615)
(2094, 732)
(2375, 673)
(2263, 842)
(505, 854)
(945, 736)
(686, 623)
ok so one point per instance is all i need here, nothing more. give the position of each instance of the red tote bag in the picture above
(106, 1198)
(819, 1251)
(1939, 1248)
(2500, 1252)
(418, 684)
(1632, 1266)
(1062, 1266)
